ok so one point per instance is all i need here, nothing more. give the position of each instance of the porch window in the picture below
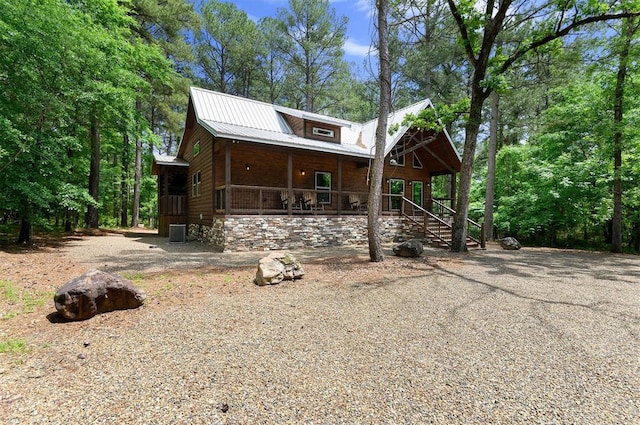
(196, 180)
(396, 189)
(395, 155)
(416, 192)
(323, 184)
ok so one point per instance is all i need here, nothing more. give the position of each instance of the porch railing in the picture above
(172, 205)
(281, 200)
(437, 218)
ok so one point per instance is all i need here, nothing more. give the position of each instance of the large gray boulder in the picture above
(510, 243)
(275, 268)
(96, 292)
(412, 248)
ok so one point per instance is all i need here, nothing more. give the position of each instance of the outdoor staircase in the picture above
(437, 228)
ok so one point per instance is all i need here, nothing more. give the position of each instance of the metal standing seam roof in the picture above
(234, 117)
(169, 160)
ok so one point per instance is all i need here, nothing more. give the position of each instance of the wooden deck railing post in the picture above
(339, 186)
(227, 179)
(290, 199)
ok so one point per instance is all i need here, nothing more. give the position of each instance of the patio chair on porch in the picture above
(284, 197)
(311, 200)
(354, 201)
(296, 204)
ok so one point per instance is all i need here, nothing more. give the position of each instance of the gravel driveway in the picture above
(536, 336)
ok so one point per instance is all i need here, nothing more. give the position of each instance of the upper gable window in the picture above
(396, 158)
(416, 161)
(318, 131)
(196, 148)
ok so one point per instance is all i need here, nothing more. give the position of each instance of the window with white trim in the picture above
(196, 148)
(416, 192)
(323, 184)
(324, 132)
(196, 181)
(396, 190)
(416, 161)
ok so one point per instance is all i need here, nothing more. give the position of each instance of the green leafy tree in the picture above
(312, 46)
(557, 188)
(478, 30)
(42, 52)
(73, 73)
(431, 62)
(228, 48)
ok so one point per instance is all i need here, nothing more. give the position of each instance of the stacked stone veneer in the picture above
(260, 232)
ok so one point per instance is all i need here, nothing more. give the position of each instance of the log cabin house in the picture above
(250, 175)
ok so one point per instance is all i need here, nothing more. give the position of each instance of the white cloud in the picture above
(354, 49)
(367, 6)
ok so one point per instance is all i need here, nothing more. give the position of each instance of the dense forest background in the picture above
(91, 88)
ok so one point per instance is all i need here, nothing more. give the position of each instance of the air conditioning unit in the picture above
(177, 233)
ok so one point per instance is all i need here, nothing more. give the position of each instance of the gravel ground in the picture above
(536, 336)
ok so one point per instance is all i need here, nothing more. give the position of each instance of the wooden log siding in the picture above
(269, 168)
(202, 203)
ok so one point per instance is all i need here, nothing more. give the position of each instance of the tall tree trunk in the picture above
(94, 174)
(618, 116)
(68, 215)
(135, 214)
(491, 167)
(124, 187)
(478, 96)
(375, 188)
(427, 64)
(24, 236)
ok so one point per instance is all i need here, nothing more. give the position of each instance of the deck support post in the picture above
(290, 183)
(339, 186)
(227, 178)
(452, 191)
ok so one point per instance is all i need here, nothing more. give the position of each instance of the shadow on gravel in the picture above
(559, 264)
(147, 252)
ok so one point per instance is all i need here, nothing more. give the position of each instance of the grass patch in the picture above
(14, 346)
(8, 292)
(134, 277)
(20, 301)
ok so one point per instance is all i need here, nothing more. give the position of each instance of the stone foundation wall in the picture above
(250, 233)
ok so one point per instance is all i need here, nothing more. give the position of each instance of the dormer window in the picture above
(322, 132)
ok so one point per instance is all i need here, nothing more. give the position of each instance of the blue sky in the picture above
(360, 26)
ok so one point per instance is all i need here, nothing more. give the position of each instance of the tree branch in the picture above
(463, 32)
(561, 33)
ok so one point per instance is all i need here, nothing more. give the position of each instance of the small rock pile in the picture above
(276, 267)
